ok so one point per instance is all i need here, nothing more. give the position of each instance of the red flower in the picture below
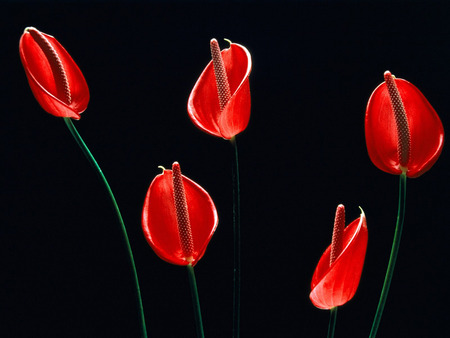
(179, 217)
(219, 103)
(338, 272)
(55, 80)
(403, 131)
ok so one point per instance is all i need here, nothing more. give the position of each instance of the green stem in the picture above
(332, 323)
(195, 302)
(95, 165)
(393, 257)
(237, 243)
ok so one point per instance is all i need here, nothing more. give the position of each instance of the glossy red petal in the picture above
(203, 103)
(336, 284)
(45, 83)
(159, 220)
(426, 130)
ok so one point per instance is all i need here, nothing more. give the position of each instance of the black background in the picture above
(64, 270)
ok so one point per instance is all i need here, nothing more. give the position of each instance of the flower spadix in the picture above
(403, 131)
(219, 103)
(55, 79)
(338, 272)
(178, 218)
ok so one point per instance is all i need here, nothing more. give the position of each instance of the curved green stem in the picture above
(237, 243)
(95, 165)
(332, 323)
(393, 257)
(195, 302)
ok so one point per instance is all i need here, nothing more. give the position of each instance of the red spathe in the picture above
(425, 127)
(159, 219)
(335, 285)
(45, 79)
(203, 104)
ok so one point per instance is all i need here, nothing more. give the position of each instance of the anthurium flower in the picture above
(338, 272)
(178, 218)
(55, 79)
(403, 131)
(219, 103)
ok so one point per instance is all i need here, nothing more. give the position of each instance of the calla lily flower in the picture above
(178, 218)
(55, 79)
(219, 103)
(338, 272)
(403, 131)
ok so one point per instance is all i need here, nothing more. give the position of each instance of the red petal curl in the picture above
(426, 130)
(336, 284)
(203, 104)
(45, 83)
(159, 219)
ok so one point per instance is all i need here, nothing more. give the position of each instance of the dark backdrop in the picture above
(64, 269)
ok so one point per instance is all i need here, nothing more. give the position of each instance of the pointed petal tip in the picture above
(362, 211)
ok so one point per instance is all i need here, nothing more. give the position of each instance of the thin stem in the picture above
(332, 322)
(95, 165)
(195, 301)
(237, 243)
(393, 257)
